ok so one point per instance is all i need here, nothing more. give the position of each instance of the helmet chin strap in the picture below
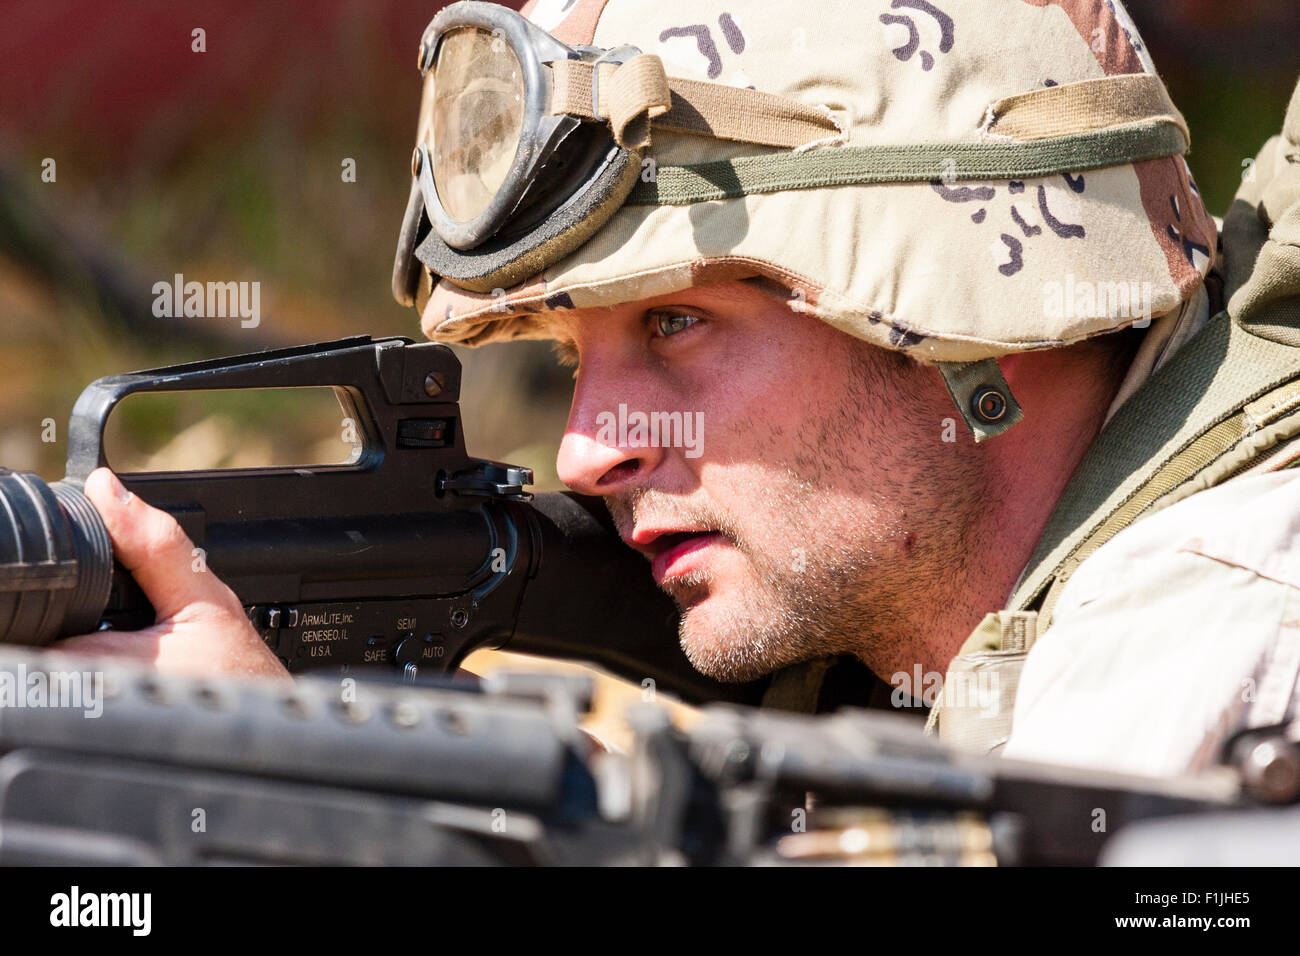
(982, 396)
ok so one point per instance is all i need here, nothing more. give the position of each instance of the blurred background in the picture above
(228, 165)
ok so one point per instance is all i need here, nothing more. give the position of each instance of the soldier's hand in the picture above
(200, 626)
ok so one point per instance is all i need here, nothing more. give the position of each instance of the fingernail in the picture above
(119, 490)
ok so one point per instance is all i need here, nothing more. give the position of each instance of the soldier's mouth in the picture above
(680, 553)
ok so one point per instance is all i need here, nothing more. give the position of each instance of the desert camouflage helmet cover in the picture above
(949, 270)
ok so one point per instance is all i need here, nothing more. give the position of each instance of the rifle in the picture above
(335, 770)
(376, 757)
(406, 558)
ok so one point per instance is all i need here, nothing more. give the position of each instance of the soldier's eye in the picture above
(670, 323)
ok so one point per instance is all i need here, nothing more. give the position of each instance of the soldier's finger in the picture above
(151, 545)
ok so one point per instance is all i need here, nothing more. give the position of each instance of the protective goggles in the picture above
(527, 146)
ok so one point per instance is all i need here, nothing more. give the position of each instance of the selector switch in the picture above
(408, 652)
(419, 650)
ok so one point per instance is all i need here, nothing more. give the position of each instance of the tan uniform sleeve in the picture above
(1178, 632)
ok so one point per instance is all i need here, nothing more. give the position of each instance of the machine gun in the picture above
(399, 563)
(406, 558)
(177, 770)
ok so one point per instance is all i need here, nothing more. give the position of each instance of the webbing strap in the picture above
(637, 95)
(1228, 454)
(640, 89)
(946, 162)
(1085, 105)
(1192, 414)
(1228, 402)
(797, 688)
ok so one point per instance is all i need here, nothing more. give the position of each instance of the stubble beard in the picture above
(827, 578)
(824, 584)
(791, 607)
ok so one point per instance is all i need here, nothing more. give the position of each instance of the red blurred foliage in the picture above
(120, 81)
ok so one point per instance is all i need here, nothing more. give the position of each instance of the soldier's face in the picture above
(795, 490)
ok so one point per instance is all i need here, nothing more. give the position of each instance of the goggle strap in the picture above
(748, 116)
(637, 96)
(1092, 124)
(1083, 106)
(632, 97)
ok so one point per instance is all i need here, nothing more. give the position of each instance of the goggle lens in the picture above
(477, 121)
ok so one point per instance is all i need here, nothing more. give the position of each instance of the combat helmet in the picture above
(956, 179)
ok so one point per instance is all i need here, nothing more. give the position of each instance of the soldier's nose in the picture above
(594, 467)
